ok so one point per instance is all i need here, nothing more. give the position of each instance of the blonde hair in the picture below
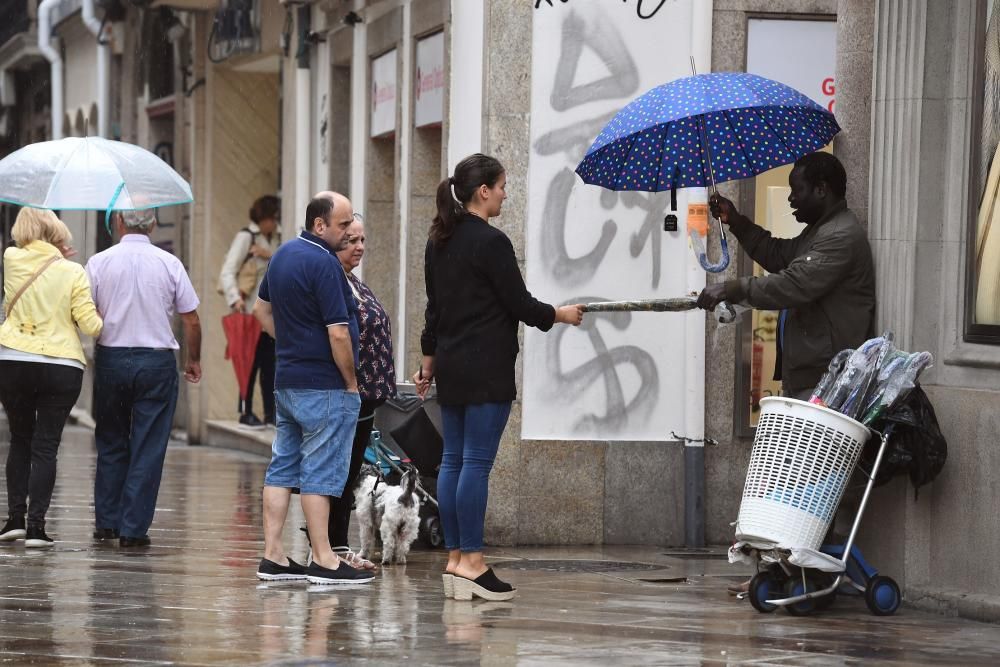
(38, 224)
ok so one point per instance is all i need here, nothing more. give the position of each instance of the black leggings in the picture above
(37, 398)
(340, 508)
(263, 361)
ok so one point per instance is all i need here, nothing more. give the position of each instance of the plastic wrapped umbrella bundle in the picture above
(867, 383)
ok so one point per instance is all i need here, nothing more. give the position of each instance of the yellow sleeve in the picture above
(84, 311)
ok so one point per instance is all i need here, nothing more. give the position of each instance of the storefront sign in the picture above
(800, 54)
(383, 120)
(429, 107)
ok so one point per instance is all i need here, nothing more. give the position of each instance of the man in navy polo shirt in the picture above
(306, 304)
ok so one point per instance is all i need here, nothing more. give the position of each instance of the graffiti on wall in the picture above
(593, 244)
(644, 9)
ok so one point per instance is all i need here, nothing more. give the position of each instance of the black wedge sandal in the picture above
(486, 586)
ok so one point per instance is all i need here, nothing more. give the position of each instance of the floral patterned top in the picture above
(376, 372)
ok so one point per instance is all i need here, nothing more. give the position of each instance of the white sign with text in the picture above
(429, 89)
(383, 121)
(800, 54)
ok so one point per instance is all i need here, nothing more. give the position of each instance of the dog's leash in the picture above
(379, 479)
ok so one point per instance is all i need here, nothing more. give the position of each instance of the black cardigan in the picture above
(475, 297)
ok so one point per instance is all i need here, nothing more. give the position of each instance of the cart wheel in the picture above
(795, 587)
(762, 586)
(882, 596)
(827, 600)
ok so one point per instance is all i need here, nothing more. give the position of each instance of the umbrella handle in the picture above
(723, 262)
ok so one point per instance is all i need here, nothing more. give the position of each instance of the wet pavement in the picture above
(192, 597)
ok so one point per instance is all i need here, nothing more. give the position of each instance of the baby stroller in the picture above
(410, 440)
(803, 456)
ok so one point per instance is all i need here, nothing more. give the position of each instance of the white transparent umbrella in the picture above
(89, 174)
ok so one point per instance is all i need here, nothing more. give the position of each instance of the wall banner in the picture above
(619, 376)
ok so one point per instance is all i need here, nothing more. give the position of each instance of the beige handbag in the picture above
(246, 275)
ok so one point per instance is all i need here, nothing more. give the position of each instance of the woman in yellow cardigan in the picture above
(46, 298)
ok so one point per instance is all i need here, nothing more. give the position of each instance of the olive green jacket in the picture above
(824, 278)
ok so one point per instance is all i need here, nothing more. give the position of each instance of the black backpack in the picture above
(916, 446)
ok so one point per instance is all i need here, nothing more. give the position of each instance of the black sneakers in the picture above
(35, 538)
(250, 420)
(344, 574)
(129, 542)
(105, 533)
(270, 571)
(13, 529)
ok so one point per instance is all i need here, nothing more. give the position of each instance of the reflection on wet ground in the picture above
(192, 598)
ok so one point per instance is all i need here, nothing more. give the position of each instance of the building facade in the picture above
(380, 99)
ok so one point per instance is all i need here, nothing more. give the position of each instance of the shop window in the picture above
(775, 48)
(983, 263)
(156, 68)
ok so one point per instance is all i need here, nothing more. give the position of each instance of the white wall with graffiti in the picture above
(620, 376)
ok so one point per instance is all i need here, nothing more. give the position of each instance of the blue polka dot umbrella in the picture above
(706, 129)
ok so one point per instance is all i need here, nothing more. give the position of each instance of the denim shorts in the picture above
(314, 438)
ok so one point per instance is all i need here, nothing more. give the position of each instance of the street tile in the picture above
(192, 598)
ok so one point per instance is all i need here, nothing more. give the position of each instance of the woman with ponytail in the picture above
(475, 299)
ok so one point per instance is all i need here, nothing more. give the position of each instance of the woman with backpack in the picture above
(242, 271)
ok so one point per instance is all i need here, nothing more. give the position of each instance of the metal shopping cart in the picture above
(803, 456)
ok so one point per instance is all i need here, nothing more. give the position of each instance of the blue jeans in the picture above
(313, 441)
(471, 439)
(135, 394)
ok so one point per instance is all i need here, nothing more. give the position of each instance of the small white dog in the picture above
(390, 511)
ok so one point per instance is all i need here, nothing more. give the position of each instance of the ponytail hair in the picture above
(470, 173)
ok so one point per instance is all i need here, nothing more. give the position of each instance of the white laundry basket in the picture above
(802, 458)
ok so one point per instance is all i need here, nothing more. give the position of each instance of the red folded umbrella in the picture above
(242, 334)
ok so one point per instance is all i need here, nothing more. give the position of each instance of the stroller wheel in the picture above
(762, 587)
(882, 596)
(431, 533)
(795, 587)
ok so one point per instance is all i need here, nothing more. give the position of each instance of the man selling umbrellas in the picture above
(822, 281)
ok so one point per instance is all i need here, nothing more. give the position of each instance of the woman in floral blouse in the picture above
(376, 382)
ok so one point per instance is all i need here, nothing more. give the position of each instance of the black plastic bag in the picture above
(916, 446)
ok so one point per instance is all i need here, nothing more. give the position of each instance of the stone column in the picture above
(896, 122)
(507, 137)
(853, 81)
(907, 133)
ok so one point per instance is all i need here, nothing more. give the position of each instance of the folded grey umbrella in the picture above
(643, 305)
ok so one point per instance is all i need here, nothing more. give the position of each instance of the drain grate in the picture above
(578, 565)
(664, 580)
